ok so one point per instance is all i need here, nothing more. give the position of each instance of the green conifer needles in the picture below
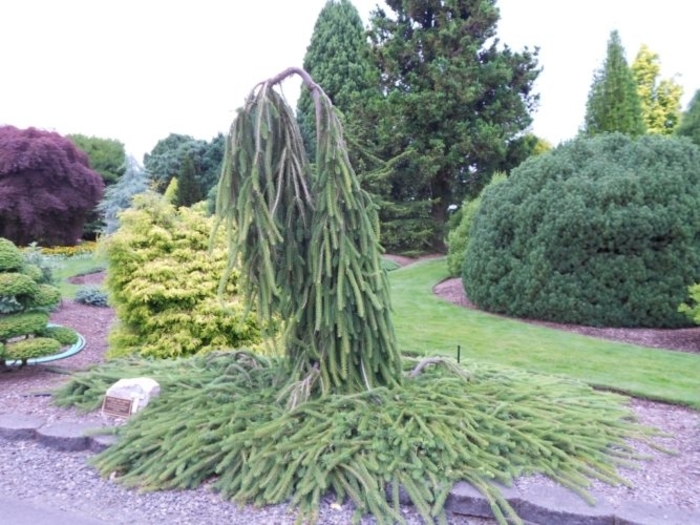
(307, 242)
(219, 418)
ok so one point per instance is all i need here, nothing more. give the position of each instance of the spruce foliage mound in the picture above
(220, 416)
(601, 231)
(163, 282)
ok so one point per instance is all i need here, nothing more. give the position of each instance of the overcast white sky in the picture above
(137, 70)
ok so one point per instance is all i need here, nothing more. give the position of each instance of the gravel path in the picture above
(63, 481)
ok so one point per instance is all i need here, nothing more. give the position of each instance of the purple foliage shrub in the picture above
(47, 187)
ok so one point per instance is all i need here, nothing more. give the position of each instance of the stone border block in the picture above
(19, 426)
(65, 436)
(465, 499)
(102, 442)
(640, 513)
(557, 505)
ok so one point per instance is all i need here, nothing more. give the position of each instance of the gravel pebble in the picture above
(64, 481)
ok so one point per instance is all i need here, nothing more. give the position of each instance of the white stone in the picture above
(139, 389)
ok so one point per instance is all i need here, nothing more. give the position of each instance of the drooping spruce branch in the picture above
(306, 240)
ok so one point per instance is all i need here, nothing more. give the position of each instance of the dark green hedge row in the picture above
(602, 231)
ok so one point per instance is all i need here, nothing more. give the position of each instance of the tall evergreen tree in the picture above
(456, 99)
(107, 156)
(338, 60)
(690, 121)
(165, 161)
(613, 103)
(188, 191)
(660, 99)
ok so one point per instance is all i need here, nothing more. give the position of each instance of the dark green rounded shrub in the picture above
(602, 231)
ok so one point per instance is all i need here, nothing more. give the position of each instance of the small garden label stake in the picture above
(117, 407)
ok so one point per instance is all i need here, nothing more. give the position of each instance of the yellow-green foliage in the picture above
(10, 256)
(171, 191)
(16, 325)
(31, 348)
(163, 281)
(33, 271)
(46, 296)
(15, 284)
(69, 251)
(62, 334)
(692, 307)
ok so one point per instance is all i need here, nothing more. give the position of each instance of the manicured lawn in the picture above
(69, 266)
(429, 325)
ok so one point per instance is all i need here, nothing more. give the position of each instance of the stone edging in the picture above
(67, 436)
(535, 505)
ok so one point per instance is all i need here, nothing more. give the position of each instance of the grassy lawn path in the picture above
(429, 325)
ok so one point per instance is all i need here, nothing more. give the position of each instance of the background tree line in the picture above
(433, 104)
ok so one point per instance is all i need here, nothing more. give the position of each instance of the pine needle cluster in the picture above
(221, 417)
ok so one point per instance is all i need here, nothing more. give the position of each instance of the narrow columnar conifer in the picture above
(307, 242)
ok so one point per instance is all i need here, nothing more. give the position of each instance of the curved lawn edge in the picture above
(72, 350)
(429, 325)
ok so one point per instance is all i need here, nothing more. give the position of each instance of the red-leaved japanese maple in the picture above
(47, 187)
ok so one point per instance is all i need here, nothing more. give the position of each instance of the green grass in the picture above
(428, 325)
(70, 266)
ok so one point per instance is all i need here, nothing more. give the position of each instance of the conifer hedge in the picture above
(602, 232)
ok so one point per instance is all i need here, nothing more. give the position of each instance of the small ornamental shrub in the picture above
(32, 347)
(602, 231)
(17, 325)
(10, 256)
(25, 300)
(458, 238)
(163, 280)
(37, 258)
(62, 334)
(92, 296)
